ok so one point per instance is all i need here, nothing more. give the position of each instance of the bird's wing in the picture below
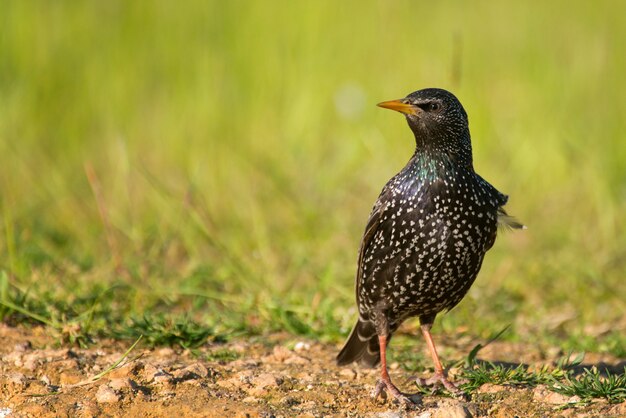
(505, 221)
(370, 230)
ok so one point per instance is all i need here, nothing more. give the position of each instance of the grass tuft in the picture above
(591, 384)
(158, 330)
(503, 374)
(588, 386)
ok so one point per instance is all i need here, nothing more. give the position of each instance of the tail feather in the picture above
(507, 221)
(362, 345)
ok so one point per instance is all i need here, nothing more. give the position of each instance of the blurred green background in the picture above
(207, 168)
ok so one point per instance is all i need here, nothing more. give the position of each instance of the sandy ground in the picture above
(281, 376)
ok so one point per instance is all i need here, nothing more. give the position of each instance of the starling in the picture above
(426, 237)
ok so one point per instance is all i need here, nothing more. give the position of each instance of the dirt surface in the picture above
(282, 376)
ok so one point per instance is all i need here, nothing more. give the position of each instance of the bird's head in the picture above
(437, 119)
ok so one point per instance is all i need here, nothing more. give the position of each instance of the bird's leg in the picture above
(385, 381)
(439, 378)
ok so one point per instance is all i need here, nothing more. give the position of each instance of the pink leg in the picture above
(439, 378)
(385, 382)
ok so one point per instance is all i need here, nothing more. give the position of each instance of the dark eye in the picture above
(433, 106)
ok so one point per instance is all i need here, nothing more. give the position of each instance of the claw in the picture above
(407, 399)
(439, 380)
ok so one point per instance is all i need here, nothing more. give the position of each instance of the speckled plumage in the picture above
(429, 230)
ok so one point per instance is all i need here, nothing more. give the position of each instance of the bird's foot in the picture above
(406, 399)
(439, 380)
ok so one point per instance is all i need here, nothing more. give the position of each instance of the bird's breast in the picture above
(429, 244)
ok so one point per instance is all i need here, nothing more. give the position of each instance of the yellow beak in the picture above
(399, 106)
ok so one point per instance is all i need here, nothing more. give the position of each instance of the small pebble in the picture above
(120, 383)
(301, 346)
(106, 395)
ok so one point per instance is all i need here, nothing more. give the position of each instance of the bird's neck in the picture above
(432, 164)
(442, 159)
